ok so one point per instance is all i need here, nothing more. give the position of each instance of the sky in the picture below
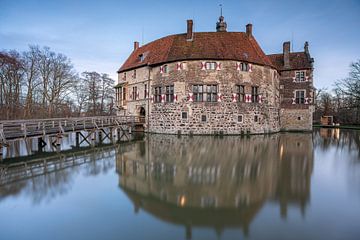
(99, 35)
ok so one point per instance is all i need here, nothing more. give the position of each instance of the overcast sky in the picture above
(99, 35)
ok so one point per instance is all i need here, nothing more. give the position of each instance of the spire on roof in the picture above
(221, 24)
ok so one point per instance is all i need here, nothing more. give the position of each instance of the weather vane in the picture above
(220, 9)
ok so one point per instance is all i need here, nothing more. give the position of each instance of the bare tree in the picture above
(92, 84)
(349, 89)
(11, 73)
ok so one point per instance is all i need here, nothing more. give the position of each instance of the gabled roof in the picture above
(236, 46)
(298, 60)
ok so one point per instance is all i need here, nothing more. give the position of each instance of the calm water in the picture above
(282, 186)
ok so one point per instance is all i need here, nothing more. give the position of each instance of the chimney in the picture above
(249, 29)
(189, 33)
(286, 53)
(136, 45)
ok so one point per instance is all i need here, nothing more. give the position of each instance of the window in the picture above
(210, 65)
(184, 115)
(299, 96)
(145, 91)
(134, 93)
(134, 74)
(240, 118)
(124, 94)
(300, 76)
(256, 118)
(205, 93)
(124, 76)
(240, 91)
(299, 118)
(254, 94)
(203, 118)
(157, 94)
(169, 93)
(165, 68)
(119, 96)
(244, 67)
(198, 93)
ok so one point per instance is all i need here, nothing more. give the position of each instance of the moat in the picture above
(278, 186)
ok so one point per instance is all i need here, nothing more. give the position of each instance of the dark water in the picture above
(282, 186)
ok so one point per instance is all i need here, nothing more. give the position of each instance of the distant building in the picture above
(216, 83)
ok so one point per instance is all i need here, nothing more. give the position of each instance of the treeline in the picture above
(343, 101)
(40, 83)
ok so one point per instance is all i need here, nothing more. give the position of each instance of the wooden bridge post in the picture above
(77, 139)
(100, 137)
(41, 144)
(111, 134)
(118, 134)
(1, 152)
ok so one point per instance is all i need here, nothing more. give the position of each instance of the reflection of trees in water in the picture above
(348, 143)
(341, 139)
(58, 182)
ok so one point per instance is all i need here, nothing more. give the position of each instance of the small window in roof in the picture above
(141, 57)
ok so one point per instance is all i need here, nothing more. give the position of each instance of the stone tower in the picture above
(221, 24)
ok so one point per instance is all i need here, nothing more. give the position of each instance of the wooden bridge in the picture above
(87, 129)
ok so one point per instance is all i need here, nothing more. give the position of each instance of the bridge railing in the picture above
(34, 127)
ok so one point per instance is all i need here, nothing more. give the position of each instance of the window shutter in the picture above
(250, 67)
(306, 100)
(238, 66)
(162, 98)
(306, 78)
(152, 98)
(219, 97)
(293, 100)
(203, 65)
(191, 97)
(260, 99)
(161, 69)
(175, 98)
(248, 98)
(179, 66)
(234, 97)
(137, 95)
(218, 66)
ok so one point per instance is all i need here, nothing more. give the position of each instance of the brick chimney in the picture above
(189, 33)
(286, 53)
(136, 45)
(249, 29)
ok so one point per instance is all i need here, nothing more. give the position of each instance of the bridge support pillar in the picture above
(77, 139)
(41, 144)
(100, 137)
(1, 152)
(118, 134)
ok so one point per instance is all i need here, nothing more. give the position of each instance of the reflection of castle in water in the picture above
(216, 182)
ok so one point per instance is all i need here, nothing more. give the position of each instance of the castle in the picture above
(216, 83)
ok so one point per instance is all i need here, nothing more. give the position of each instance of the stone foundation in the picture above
(296, 119)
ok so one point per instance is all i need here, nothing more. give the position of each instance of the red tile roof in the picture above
(236, 46)
(298, 60)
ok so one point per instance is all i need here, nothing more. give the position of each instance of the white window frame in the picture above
(300, 90)
(301, 77)
(210, 65)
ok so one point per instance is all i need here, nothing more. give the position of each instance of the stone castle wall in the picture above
(276, 111)
(221, 117)
(296, 116)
